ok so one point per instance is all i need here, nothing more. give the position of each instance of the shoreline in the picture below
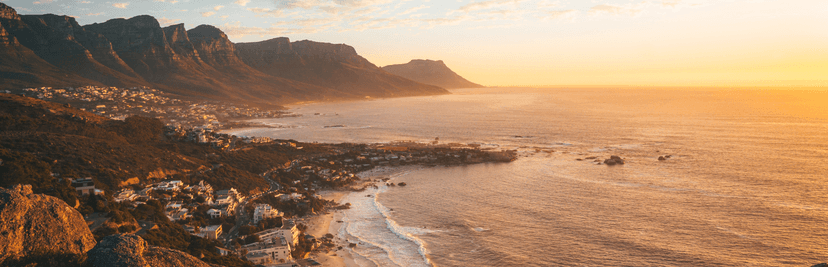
(332, 221)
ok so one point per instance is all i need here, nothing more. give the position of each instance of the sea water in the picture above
(745, 183)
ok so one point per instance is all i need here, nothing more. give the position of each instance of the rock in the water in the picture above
(129, 250)
(821, 265)
(661, 158)
(36, 227)
(613, 160)
(402, 184)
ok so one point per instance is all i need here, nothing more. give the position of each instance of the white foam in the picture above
(381, 240)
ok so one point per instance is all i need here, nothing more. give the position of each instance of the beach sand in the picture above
(320, 225)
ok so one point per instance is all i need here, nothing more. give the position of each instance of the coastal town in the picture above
(264, 227)
(119, 103)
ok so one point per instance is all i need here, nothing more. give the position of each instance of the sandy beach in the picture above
(320, 225)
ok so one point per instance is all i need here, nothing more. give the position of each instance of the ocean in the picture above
(745, 183)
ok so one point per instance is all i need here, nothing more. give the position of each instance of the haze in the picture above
(529, 43)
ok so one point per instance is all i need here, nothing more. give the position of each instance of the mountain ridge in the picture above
(55, 51)
(433, 72)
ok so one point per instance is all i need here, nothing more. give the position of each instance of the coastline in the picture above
(322, 224)
(332, 221)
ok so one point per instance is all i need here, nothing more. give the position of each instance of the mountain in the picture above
(431, 72)
(20, 66)
(336, 66)
(52, 50)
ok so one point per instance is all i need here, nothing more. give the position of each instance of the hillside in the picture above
(431, 72)
(39, 138)
(202, 63)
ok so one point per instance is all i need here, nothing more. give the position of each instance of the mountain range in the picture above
(53, 50)
(433, 72)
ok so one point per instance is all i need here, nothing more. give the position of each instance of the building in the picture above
(272, 250)
(288, 231)
(210, 232)
(214, 213)
(125, 195)
(84, 186)
(223, 251)
(264, 211)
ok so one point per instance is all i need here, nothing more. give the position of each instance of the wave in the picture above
(407, 233)
(364, 222)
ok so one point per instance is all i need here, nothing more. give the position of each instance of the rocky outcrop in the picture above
(6, 12)
(129, 250)
(613, 160)
(34, 226)
(431, 72)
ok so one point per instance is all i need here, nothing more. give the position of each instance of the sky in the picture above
(527, 42)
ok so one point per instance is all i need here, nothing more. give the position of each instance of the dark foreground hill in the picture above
(431, 72)
(41, 142)
(53, 50)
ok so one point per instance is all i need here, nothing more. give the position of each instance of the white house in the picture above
(273, 250)
(214, 213)
(211, 232)
(264, 211)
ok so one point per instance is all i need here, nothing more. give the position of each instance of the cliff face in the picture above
(335, 66)
(39, 227)
(52, 50)
(431, 72)
(62, 42)
(132, 251)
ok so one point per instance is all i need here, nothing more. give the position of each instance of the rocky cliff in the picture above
(431, 72)
(335, 66)
(52, 50)
(20, 66)
(37, 228)
(132, 251)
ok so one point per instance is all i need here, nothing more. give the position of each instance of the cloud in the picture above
(94, 14)
(42, 2)
(413, 9)
(217, 8)
(120, 5)
(611, 9)
(265, 12)
(487, 5)
(207, 14)
(168, 1)
(84, 2)
(166, 21)
(242, 2)
(224, 17)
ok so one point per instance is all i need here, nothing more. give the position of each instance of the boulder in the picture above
(127, 250)
(661, 158)
(401, 184)
(613, 160)
(40, 228)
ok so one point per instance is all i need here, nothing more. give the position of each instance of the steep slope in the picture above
(19, 65)
(336, 66)
(58, 41)
(431, 72)
(218, 52)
